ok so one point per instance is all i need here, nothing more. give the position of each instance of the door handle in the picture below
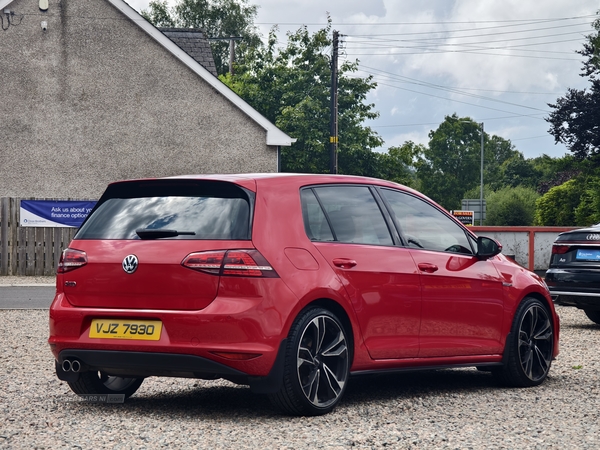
(427, 267)
(344, 263)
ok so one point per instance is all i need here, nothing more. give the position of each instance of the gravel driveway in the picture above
(460, 408)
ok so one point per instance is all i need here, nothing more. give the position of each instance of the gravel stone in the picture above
(26, 281)
(443, 409)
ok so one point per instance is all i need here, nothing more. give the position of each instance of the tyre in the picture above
(529, 347)
(593, 315)
(317, 365)
(98, 383)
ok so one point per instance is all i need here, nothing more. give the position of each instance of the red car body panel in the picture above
(462, 305)
(405, 307)
(384, 289)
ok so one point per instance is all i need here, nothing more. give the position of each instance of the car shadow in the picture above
(206, 400)
(238, 401)
(580, 326)
(408, 385)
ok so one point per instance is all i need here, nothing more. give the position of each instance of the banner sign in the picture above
(465, 217)
(51, 213)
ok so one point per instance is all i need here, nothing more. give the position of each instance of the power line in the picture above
(452, 32)
(459, 101)
(393, 77)
(513, 116)
(430, 23)
(464, 52)
(424, 44)
(532, 137)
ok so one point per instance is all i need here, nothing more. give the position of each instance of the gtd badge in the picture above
(130, 264)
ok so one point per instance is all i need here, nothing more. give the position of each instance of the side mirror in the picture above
(487, 247)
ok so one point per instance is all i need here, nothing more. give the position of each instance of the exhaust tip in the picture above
(66, 365)
(75, 366)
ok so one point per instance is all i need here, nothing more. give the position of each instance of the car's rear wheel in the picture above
(317, 365)
(529, 347)
(593, 315)
(99, 383)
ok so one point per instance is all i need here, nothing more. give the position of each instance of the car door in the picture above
(349, 228)
(462, 295)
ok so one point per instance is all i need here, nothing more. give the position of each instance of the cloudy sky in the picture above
(497, 62)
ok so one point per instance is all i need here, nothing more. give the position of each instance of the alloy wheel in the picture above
(322, 361)
(535, 342)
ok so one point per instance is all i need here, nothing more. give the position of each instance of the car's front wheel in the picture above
(99, 383)
(593, 315)
(529, 347)
(317, 365)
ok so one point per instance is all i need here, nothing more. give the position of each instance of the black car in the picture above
(574, 273)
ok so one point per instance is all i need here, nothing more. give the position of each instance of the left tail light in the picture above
(71, 259)
(244, 263)
(560, 249)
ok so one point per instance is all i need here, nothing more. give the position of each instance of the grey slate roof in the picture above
(194, 42)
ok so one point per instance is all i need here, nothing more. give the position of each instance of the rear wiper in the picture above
(149, 233)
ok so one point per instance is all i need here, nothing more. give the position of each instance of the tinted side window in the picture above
(424, 226)
(351, 215)
(315, 221)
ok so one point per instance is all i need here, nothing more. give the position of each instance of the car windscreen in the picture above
(175, 216)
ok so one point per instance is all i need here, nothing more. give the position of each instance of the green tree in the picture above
(557, 206)
(511, 206)
(159, 14)
(218, 18)
(556, 171)
(398, 164)
(588, 210)
(394, 165)
(450, 165)
(291, 87)
(575, 120)
(518, 171)
(497, 151)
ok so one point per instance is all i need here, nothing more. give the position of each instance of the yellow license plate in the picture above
(146, 330)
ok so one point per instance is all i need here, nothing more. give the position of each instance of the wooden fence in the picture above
(29, 251)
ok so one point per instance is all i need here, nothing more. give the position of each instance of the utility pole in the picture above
(481, 181)
(231, 40)
(333, 121)
(231, 54)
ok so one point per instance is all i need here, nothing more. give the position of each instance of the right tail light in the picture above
(242, 263)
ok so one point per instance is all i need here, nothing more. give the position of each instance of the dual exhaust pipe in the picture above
(71, 365)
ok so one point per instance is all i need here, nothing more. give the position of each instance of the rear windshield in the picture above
(589, 236)
(193, 216)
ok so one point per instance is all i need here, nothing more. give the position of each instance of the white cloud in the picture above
(487, 71)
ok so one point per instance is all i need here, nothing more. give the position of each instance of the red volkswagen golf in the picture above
(290, 284)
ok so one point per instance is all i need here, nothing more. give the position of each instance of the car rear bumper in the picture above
(232, 336)
(573, 279)
(574, 287)
(145, 364)
(583, 300)
(132, 364)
